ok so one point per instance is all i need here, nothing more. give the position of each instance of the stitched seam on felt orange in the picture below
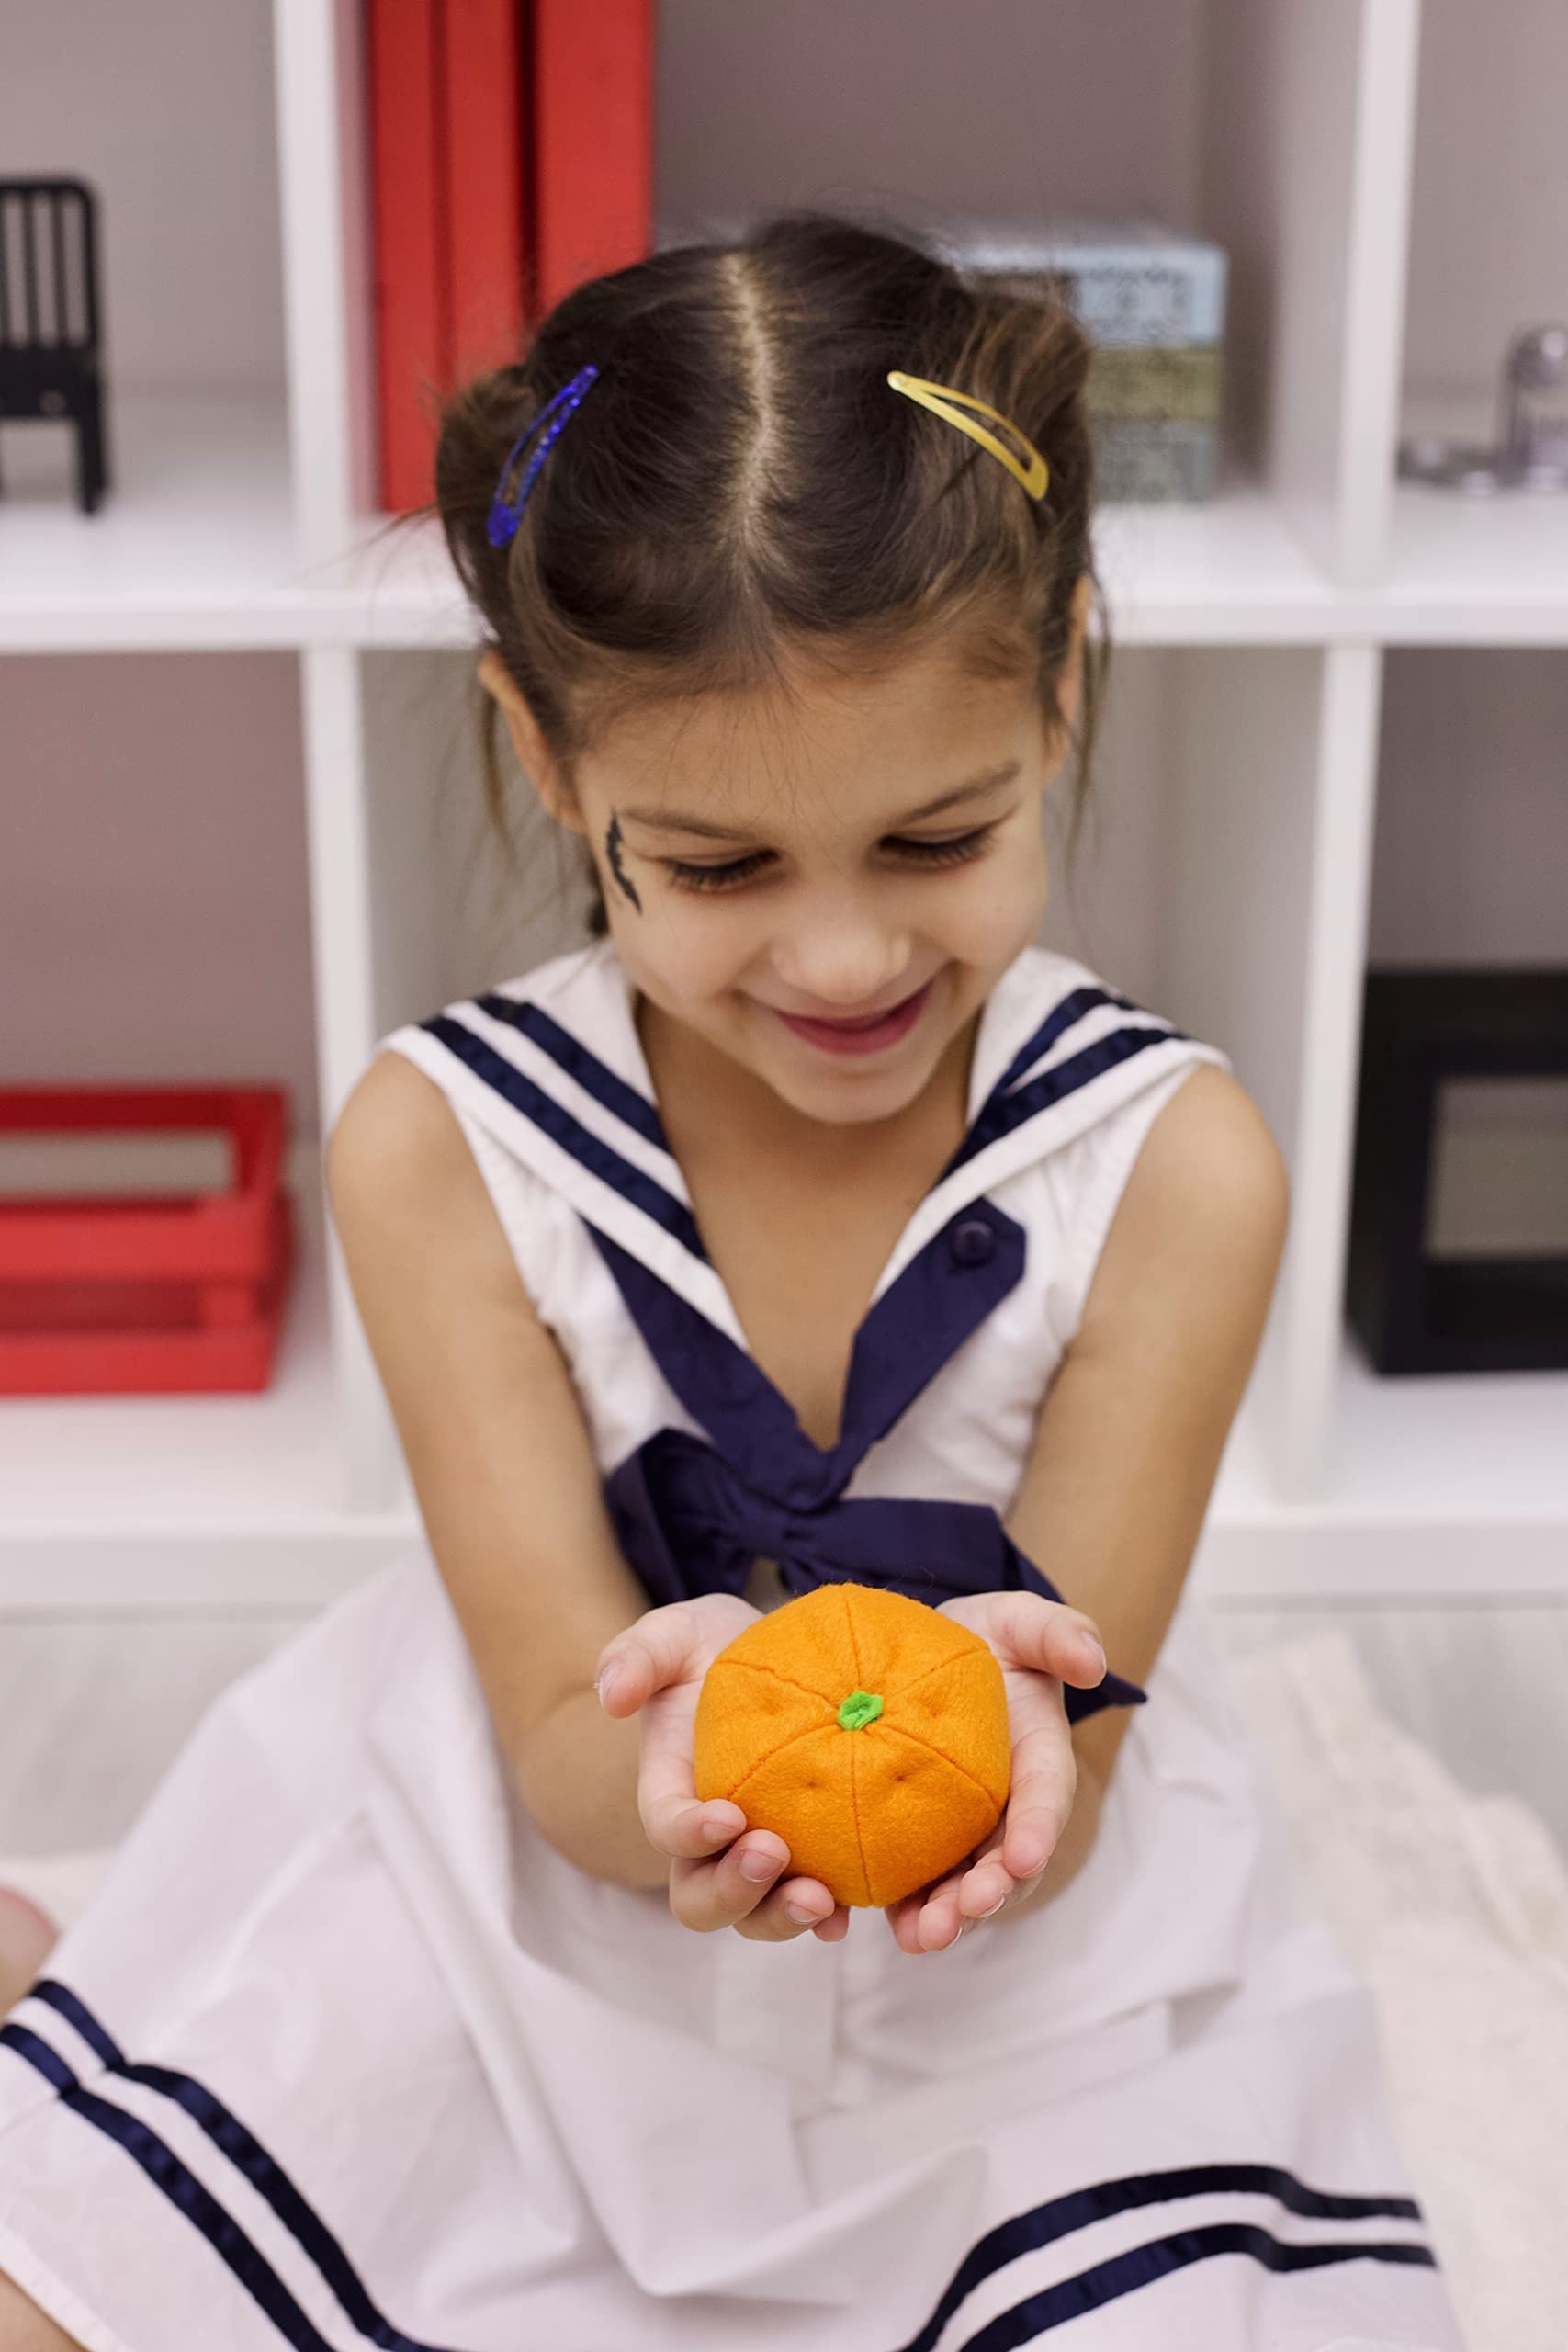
(927, 1671)
(854, 1777)
(931, 1749)
(752, 1770)
(854, 1809)
(758, 1666)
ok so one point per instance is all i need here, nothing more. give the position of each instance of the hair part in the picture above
(741, 486)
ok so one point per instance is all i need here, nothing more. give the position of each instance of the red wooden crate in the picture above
(158, 1293)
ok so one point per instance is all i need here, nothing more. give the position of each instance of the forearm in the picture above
(576, 1774)
(1073, 1847)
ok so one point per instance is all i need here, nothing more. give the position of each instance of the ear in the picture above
(1069, 684)
(1073, 681)
(535, 757)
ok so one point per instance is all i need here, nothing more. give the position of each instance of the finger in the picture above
(709, 1896)
(695, 1831)
(920, 1921)
(676, 1821)
(901, 1917)
(1040, 1801)
(986, 1884)
(646, 1656)
(938, 1922)
(1049, 1637)
(794, 1908)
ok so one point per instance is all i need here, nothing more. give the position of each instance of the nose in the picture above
(837, 958)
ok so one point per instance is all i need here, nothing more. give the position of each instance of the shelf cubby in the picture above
(233, 670)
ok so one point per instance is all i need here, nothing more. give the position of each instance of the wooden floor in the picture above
(91, 1714)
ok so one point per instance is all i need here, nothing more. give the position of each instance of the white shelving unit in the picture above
(1230, 879)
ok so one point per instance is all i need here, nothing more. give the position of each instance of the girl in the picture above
(810, 1223)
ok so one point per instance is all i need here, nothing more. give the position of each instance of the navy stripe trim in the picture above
(571, 1055)
(1061, 2216)
(1072, 1009)
(1143, 2264)
(1003, 1112)
(553, 1119)
(158, 2160)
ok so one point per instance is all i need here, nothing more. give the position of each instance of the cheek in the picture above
(998, 906)
(680, 958)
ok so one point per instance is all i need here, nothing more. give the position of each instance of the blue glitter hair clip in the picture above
(504, 519)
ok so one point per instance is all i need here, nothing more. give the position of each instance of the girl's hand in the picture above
(721, 1873)
(1039, 1644)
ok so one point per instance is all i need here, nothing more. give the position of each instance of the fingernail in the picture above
(1093, 1651)
(715, 1832)
(803, 1918)
(994, 1909)
(607, 1682)
(758, 1867)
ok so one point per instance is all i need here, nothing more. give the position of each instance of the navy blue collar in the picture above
(909, 1332)
(553, 1067)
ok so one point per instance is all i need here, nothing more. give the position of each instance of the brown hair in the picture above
(741, 481)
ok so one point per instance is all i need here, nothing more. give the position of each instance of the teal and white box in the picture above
(1130, 282)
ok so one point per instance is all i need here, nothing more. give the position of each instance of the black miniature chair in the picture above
(50, 355)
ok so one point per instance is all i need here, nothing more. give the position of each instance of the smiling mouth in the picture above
(866, 1033)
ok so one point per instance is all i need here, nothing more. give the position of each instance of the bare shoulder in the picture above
(24, 2328)
(395, 1132)
(1204, 1212)
(402, 1177)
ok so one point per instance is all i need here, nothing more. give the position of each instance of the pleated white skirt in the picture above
(345, 2053)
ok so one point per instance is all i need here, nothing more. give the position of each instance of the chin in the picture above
(847, 1097)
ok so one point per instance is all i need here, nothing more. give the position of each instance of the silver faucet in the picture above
(1532, 452)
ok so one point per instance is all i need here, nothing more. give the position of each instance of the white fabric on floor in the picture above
(1454, 1909)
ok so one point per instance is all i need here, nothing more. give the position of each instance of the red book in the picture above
(483, 138)
(412, 310)
(592, 137)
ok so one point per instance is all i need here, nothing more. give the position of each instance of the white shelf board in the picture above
(395, 586)
(195, 547)
(1468, 570)
(179, 1493)
(192, 546)
(1449, 1484)
(85, 1466)
(1228, 571)
(1487, 1448)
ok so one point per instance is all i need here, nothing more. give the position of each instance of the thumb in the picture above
(648, 1657)
(1052, 1638)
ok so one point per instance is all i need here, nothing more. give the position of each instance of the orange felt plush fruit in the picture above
(866, 1730)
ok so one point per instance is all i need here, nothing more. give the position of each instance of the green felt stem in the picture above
(862, 1707)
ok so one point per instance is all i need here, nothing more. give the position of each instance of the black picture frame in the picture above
(1413, 1312)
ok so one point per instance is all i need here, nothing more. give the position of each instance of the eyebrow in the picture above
(667, 820)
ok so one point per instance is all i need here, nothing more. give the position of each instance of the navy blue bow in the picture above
(689, 1523)
(692, 1517)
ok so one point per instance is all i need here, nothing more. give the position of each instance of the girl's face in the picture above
(823, 888)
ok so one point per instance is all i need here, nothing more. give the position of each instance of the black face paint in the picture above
(613, 852)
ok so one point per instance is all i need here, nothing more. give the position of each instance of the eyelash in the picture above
(957, 852)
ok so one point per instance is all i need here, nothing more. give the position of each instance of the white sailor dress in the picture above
(344, 2054)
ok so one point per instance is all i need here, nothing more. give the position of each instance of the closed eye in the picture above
(956, 851)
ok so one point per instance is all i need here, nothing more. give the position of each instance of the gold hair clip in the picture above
(1035, 476)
